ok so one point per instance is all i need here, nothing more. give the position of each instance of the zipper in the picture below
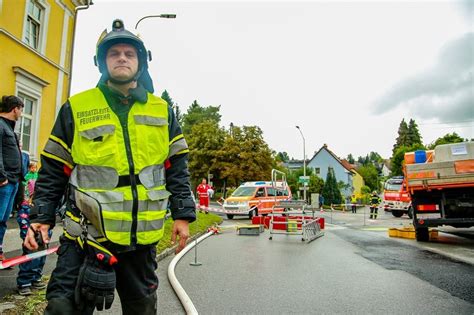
(133, 184)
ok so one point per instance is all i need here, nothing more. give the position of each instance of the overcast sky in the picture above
(345, 72)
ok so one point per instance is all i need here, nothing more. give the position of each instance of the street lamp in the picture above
(163, 16)
(304, 163)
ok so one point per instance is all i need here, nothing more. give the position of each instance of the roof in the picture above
(346, 165)
(263, 184)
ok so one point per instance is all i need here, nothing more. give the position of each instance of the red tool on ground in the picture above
(10, 262)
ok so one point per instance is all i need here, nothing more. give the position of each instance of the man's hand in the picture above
(30, 241)
(181, 229)
(4, 183)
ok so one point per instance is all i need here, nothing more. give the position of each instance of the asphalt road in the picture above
(333, 274)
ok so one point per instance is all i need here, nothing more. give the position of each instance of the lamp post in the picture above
(163, 16)
(304, 163)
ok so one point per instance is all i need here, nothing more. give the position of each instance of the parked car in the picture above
(256, 198)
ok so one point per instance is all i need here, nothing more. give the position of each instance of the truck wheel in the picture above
(397, 213)
(410, 212)
(422, 234)
(230, 216)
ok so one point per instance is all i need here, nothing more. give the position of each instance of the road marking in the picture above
(375, 228)
(329, 226)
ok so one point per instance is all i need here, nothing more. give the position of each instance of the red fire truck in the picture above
(396, 198)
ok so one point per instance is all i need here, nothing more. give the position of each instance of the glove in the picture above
(96, 282)
(95, 286)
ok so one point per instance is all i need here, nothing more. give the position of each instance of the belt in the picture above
(124, 180)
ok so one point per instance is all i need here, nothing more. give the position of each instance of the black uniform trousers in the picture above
(374, 211)
(135, 274)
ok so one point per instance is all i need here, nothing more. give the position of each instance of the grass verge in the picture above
(202, 223)
(36, 303)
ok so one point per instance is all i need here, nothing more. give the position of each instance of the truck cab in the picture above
(396, 198)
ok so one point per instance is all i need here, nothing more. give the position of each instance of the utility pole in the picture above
(304, 163)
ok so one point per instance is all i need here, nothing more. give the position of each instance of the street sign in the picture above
(303, 179)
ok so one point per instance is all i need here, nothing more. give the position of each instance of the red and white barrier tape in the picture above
(10, 262)
(220, 210)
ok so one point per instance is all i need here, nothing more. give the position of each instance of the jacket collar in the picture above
(138, 94)
(11, 123)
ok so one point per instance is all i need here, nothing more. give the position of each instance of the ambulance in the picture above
(256, 198)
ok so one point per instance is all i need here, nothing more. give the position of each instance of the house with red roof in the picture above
(324, 159)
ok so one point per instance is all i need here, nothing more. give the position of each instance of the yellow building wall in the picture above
(15, 53)
(357, 183)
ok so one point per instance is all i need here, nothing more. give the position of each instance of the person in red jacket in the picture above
(203, 194)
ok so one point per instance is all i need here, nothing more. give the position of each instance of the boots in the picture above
(60, 306)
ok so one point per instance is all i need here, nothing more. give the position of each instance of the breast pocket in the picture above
(98, 142)
(152, 134)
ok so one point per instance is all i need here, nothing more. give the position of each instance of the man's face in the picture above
(17, 111)
(122, 62)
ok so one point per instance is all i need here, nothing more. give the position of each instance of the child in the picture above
(30, 273)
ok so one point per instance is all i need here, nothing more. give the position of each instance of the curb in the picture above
(169, 251)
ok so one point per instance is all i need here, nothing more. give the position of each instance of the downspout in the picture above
(76, 10)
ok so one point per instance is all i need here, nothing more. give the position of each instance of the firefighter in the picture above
(118, 155)
(354, 203)
(374, 205)
(203, 194)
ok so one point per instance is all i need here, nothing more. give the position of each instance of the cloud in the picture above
(467, 9)
(445, 92)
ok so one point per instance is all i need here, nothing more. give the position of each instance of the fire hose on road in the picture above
(182, 295)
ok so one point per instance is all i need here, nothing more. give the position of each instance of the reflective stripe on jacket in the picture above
(121, 184)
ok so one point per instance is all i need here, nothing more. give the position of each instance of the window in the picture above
(270, 192)
(260, 192)
(23, 127)
(30, 89)
(317, 170)
(33, 24)
(282, 192)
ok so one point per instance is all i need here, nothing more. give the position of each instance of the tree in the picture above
(413, 136)
(370, 175)
(366, 160)
(350, 158)
(244, 156)
(374, 157)
(165, 95)
(179, 115)
(447, 138)
(330, 191)
(396, 162)
(205, 141)
(282, 156)
(402, 139)
(197, 114)
(315, 185)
